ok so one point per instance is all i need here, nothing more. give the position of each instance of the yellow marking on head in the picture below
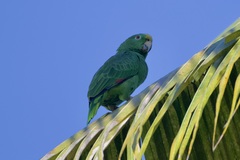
(149, 37)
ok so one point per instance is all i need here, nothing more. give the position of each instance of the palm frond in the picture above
(193, 112)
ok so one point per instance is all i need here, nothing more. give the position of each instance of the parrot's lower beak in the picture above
(147, 46)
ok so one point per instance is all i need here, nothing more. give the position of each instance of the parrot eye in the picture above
(137, 37)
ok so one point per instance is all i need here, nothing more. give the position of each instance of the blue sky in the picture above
(49, 51)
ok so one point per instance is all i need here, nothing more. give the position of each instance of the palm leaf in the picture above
(193, 112)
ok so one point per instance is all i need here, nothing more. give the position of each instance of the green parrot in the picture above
(120, 75)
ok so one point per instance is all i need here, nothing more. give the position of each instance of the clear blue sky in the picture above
(49, 51)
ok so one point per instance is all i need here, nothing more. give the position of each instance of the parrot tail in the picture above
(94, 104)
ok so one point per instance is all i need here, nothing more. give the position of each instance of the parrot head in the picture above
(141, 43)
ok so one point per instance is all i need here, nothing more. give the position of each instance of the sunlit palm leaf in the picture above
(189, 113)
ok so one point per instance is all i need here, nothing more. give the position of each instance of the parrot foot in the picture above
(112, 107)
(129, 98)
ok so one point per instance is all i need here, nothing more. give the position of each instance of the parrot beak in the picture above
(148, 44)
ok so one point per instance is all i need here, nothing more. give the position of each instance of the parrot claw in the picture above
(129, 98)
(112, 107)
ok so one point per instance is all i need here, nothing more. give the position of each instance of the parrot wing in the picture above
(115, 70)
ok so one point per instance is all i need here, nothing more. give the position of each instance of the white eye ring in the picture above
(137, 37)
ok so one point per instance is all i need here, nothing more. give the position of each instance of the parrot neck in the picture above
(139, 52)
(144, 54)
